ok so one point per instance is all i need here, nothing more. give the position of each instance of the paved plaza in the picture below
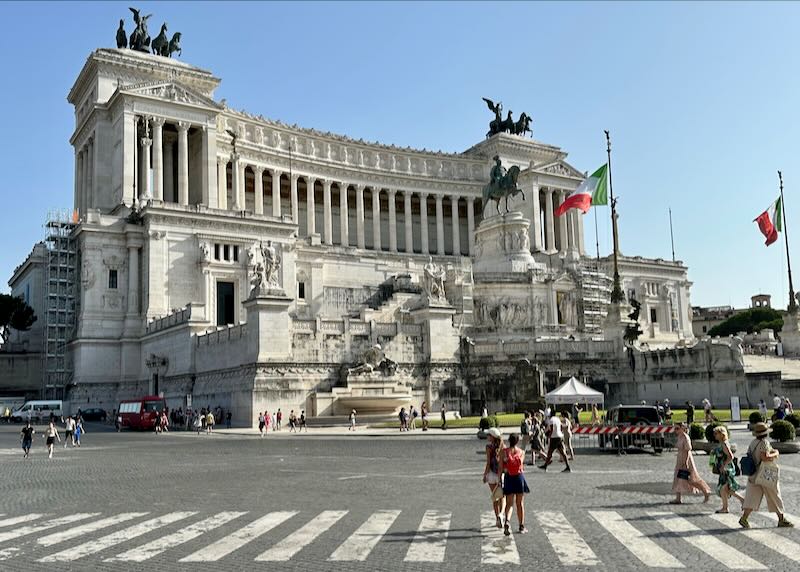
(322, 501)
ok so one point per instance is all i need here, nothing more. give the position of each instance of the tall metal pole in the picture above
(671, 237)
(596, 239)
(616, 291)
(792, 308)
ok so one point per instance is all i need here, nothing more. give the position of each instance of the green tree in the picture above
(14, 314)
(752, 320)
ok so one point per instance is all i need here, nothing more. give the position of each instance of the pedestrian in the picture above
(303, 421)
(118, 422)
(261, 423)
(576, 412)
(537, 436)
(525, 431)
(352, 420)
(26, 436)
(267, 421)
(686, 479)
(210, 421)
(278, 419)
(69, 432)
(292, 422)
(204, 417)
(725, 467)
(555, 434)
(424, 413)
(547, 412)
(566, 425)
(764, 458)
(273, 421)
(78, 431)
(444, 417)
(788, 408)
(228, 419)
(707, 411)
(50, 435)
(413, 416)
(402, 418)
(595, 415)
(514, 484)
(491, 472)
(689, 412)
(484, 412)
(762, 409)
(776, 407)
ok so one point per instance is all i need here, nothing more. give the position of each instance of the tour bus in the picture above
(38, 411)
(141, 413)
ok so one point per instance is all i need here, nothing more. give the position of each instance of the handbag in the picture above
(497, 493)
(737, 469)
(767, 475)
(684, 474)
(747, 465)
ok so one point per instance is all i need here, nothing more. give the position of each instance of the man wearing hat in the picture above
(762, 452)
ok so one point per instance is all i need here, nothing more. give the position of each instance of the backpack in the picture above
(747, 466)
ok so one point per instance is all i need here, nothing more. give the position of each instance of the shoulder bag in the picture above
(767, 475)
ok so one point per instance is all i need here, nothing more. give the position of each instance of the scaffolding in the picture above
(595, 294)
(61, 268)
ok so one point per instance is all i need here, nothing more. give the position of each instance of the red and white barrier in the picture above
(634, 429)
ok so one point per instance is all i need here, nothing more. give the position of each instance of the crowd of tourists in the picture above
(73, 431)
(296, 423)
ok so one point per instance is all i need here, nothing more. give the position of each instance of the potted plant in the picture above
(755, 417)
(784, 433)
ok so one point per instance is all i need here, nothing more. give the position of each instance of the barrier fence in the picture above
(620, 439)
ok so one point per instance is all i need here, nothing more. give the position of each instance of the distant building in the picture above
(706, 317)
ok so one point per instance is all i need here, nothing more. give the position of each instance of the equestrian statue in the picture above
(501, 185)
(140, 39)
(507, 125)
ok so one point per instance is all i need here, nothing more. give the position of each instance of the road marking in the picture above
(353, 477)
(430, 542)
(723, 553)
(76, 531)
(34, 528)
(159, 545)
(777, 543)
(298, 540)
(95, 546)
(359, 544)
(790, 469)
(19, 519)
(496, 547)
(568, 545)
(774, 517)
(236, 540)
(651, 555)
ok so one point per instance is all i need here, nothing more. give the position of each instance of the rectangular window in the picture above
(226, 252)
(112, 279)
(705, 329)
(216, 251)
(235, 253)
(225, 303)
(301, 290)
(653, 316)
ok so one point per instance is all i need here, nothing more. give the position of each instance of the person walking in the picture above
(566, 425)
(402, 418)
(210, 420)
(761, 452)
(69, 432)
(707, 411)
(762, 409)
(491, 472)
(686, 479)
(689, 412)
(555, 434)
(595, 415)
(725, 467)
(352, 420)
(525, 431)
(424, 413)
(261, 423)
(228, 419)
(536, 436)
(274, 422)
(26, 436)
(413, 417)
(198, 422)
(50, 435)
(515, 487)
(292, 422)
(303, 424)
(444, 417)
(78, 431)
(118, 422)
(278, 419)
(267, 422)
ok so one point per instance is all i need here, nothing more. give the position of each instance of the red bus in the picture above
(141, 413)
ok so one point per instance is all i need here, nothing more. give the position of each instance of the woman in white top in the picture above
(50, 435)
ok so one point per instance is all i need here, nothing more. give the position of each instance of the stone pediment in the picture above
(171, 91)
(560, 168)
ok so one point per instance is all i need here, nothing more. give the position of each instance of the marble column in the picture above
(293, 198)
(439, 225)
(144, 164)
(407, 221)
(456, 229)
(129, 149)
(183, 163)
(90, 178)
(344, 216)
(550, 235)
(87, 176)
(471, 225)
(133, 280)
(376, 218)
(327, 211)
(258, 205)
(423, 222)
(562, 225)
(392, 221)
(360, 239)
(311, 216)
(276, 193)
(222, 182)
(169, 170)
(536, 221)
(158, 159)
(236, 175)
(77, 202)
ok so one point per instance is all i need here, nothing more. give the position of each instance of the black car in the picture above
(625, 416)
(94, 414)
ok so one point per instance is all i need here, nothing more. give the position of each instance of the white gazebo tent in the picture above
(573, 391)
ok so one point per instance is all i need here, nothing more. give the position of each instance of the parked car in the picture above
(94, 414)
(623, 416)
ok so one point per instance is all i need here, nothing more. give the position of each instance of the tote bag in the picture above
(767, 475)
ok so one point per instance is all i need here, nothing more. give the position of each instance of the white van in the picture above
(37, 411)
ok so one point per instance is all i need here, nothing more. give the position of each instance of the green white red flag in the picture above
(770, 222)
(592, 191)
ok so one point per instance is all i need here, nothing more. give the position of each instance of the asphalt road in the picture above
(179, 501)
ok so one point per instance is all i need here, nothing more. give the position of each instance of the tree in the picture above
(752, 320)
(14, 314)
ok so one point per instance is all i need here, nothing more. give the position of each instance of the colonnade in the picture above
(551, 234)
(84, 175)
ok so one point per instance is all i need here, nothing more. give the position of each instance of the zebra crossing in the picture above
(179, 535)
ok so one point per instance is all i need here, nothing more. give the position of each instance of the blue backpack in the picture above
(748, 465)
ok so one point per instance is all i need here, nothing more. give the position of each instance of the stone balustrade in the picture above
(222, 335)
(548, 348)
(180, 316)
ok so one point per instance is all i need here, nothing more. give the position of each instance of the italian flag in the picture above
(770, 221)
(592, 191)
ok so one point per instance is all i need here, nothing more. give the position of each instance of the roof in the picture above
(573, 391)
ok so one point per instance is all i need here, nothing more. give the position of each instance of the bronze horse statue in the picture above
(160, 45)
(523, 125)
(504, 188)
(174, 45)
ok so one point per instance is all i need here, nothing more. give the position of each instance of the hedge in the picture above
(756, 417)
(695, 431)
(783, 431)
(794, 419)
(710, 431)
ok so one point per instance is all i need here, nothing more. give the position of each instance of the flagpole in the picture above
(596, 239)
(616, 292)
(792, 308)
(671, 236)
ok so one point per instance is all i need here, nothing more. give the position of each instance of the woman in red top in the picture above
(514, 484)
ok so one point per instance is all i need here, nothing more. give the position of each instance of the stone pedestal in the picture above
(790, 335)
(268, 334)
(616, 321)
(502, 244)
(441, 339)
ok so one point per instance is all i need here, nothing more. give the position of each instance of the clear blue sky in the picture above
(701, 99)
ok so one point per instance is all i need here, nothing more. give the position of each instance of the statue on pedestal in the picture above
(374, 359)
(507, 125)
(266, 272)
(433, 281)
(634, 330)
(502, 184)
(140, 39)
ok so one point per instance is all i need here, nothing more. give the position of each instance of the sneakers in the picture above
(522, 529)
(543, 467)
(745, 524)
(499, 523)
(567, 470)
(783, 523)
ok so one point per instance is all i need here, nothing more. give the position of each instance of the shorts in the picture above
(50, 440)
(26, 444)
(492, 478)
(68, 433)
(260, 426)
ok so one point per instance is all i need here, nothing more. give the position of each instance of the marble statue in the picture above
(433, 281)
(272, 264)
(205, 252)
(374, 359)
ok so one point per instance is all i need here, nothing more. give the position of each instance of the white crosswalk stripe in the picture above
(34, 528)
(295, 542)
(723, 553)
(777, 543)
(239, 538)
(568, 545)
(358, 545)
(496, 548)
(95, 546)
(184, 535)
(430, 542)
(19, 519)
(88, 527)
(651, 555)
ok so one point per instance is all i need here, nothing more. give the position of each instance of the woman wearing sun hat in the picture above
(762, 452)
(491, 472)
